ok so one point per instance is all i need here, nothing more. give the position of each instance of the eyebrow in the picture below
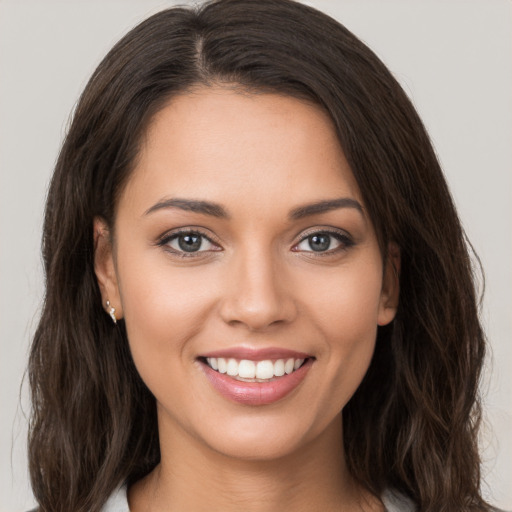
(191, 205)
(325, 206)
(216, 210)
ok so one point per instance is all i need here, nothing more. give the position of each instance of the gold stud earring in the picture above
(111, 311)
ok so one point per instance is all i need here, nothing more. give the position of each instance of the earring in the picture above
(111, 311)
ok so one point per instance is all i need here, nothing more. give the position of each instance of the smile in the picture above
(255, 377)
(246, 370)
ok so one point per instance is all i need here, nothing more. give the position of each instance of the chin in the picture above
(260, 447)
(266, 439)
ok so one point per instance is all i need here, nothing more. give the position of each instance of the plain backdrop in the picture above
(454, 59)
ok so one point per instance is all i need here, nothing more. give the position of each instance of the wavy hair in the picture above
(412, 424)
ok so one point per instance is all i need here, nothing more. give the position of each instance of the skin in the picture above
(257, 284)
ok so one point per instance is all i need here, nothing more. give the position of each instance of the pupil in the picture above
(319, 242)
(189, 243)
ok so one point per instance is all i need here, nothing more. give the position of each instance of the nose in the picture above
(257, 294)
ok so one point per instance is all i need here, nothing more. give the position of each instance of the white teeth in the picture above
(288, 366)
(247, 369)
(279, 368)
(261, 370)
(223, 366)
(232, 368)
(264, 370)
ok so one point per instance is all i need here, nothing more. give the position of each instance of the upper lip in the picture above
(259, 354)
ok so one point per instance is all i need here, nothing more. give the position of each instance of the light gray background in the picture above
(454, 59)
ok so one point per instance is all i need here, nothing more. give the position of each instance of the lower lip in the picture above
(256, 393)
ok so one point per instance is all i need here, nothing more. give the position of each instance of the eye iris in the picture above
(319, 242)
(190, 242)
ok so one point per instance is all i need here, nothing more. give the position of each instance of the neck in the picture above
(190, 477)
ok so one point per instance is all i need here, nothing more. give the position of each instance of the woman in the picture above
(259, 295)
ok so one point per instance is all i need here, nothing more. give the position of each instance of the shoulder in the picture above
(118, 501)
(396, 502)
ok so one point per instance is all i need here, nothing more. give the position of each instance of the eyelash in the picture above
(166, 239)
(344, 240)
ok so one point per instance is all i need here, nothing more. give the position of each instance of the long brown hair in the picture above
(412, 424)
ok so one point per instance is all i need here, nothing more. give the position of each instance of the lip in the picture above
(261, 354)
(255, 393)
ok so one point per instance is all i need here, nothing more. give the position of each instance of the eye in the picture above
(324, 242)
(186, 243)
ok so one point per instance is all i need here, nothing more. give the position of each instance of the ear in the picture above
(390, 286)
(104, 267)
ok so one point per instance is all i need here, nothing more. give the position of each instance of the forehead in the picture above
(219, 143)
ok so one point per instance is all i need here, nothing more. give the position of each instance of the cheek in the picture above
(163, 307)
(346, 314)
(347, 301)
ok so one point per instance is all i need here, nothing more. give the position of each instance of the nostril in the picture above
(258, 314)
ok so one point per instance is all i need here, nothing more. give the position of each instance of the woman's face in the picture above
(242, 236)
